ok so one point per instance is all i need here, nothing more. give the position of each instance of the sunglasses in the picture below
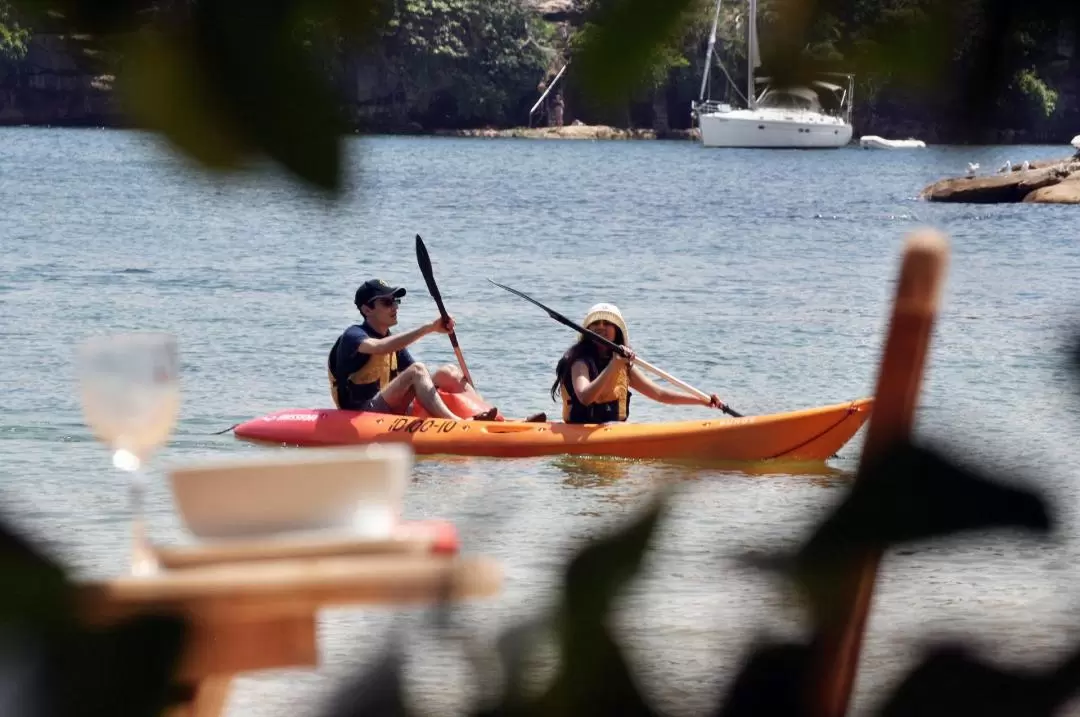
(384, 302)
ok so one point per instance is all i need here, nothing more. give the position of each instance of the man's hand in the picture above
(441, 326)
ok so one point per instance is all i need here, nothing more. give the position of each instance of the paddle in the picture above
(615, 347)
(424, 261)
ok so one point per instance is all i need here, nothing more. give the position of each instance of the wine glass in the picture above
(131, 399)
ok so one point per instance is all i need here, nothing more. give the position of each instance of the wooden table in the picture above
(258, 615)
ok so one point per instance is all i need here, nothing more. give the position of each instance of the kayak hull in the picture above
(812, 434)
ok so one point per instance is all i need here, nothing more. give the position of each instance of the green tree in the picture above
(648, 75)
(463, 61)
(13, 36)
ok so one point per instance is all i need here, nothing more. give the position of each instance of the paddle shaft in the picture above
(668, 377)
(424, 261)
(618, 349)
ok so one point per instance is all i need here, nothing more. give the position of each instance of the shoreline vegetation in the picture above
(477, 69)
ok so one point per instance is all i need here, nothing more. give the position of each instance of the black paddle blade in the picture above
(424, 260)
(562, 319)
(553, 314)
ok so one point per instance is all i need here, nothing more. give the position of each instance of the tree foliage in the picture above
(13, 36)
(473, 59)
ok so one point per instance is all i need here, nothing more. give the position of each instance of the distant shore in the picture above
(576, 131)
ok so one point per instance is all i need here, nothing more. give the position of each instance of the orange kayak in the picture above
(812, 434)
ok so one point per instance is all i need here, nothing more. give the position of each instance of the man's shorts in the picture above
(377, 404)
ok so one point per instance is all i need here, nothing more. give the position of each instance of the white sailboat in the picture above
(788, 117)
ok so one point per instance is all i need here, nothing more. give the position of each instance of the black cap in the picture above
(375, 289)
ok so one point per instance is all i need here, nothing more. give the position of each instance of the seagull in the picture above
(972, 168)
(1076, 141)
(1025, 166)
(1007, 167)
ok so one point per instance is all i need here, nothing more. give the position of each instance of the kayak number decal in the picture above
(421, 425)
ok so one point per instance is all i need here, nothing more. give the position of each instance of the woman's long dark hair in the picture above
(586, 348)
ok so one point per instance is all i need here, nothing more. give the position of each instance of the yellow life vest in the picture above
(611, 405)
(379, 369)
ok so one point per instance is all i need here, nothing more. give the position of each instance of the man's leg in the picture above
(415, 382)
(449, 378)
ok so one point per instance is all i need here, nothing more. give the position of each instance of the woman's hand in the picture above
(715, 402)
(628, 357)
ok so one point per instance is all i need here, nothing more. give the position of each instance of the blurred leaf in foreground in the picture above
(772, 681)
(125, 670)
(377, 692)
(622, 42)
(908, 494)
(51, 665)
(592, 676)
(227, 82)
(951, 680)
(166, 91)
(256, 88)
(36, 590)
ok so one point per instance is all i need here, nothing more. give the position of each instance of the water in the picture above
(765, 276)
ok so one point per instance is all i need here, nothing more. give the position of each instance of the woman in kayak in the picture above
(595, 382)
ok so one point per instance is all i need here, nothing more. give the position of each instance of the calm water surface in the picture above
(764, 276)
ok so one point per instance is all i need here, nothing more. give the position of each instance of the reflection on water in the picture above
(604, 471)
(591, 471)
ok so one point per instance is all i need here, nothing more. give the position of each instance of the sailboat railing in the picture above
(710, 107)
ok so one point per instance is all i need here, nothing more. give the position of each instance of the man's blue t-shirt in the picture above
(345, 361)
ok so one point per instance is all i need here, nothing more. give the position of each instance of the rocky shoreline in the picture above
(1052, 181)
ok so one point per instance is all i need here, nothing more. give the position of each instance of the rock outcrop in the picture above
(1047, 181)
(1065, 192)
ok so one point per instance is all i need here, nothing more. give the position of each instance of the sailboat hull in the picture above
(764, 129)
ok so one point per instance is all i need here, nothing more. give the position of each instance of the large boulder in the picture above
(1065, 192)
(1011, 186)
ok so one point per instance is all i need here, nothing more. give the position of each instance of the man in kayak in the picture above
(370, 370)
(595, 382)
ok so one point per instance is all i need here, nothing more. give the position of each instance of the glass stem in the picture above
(142, 554)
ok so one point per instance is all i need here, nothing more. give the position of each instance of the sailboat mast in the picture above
(709, 52)
(751, 54)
